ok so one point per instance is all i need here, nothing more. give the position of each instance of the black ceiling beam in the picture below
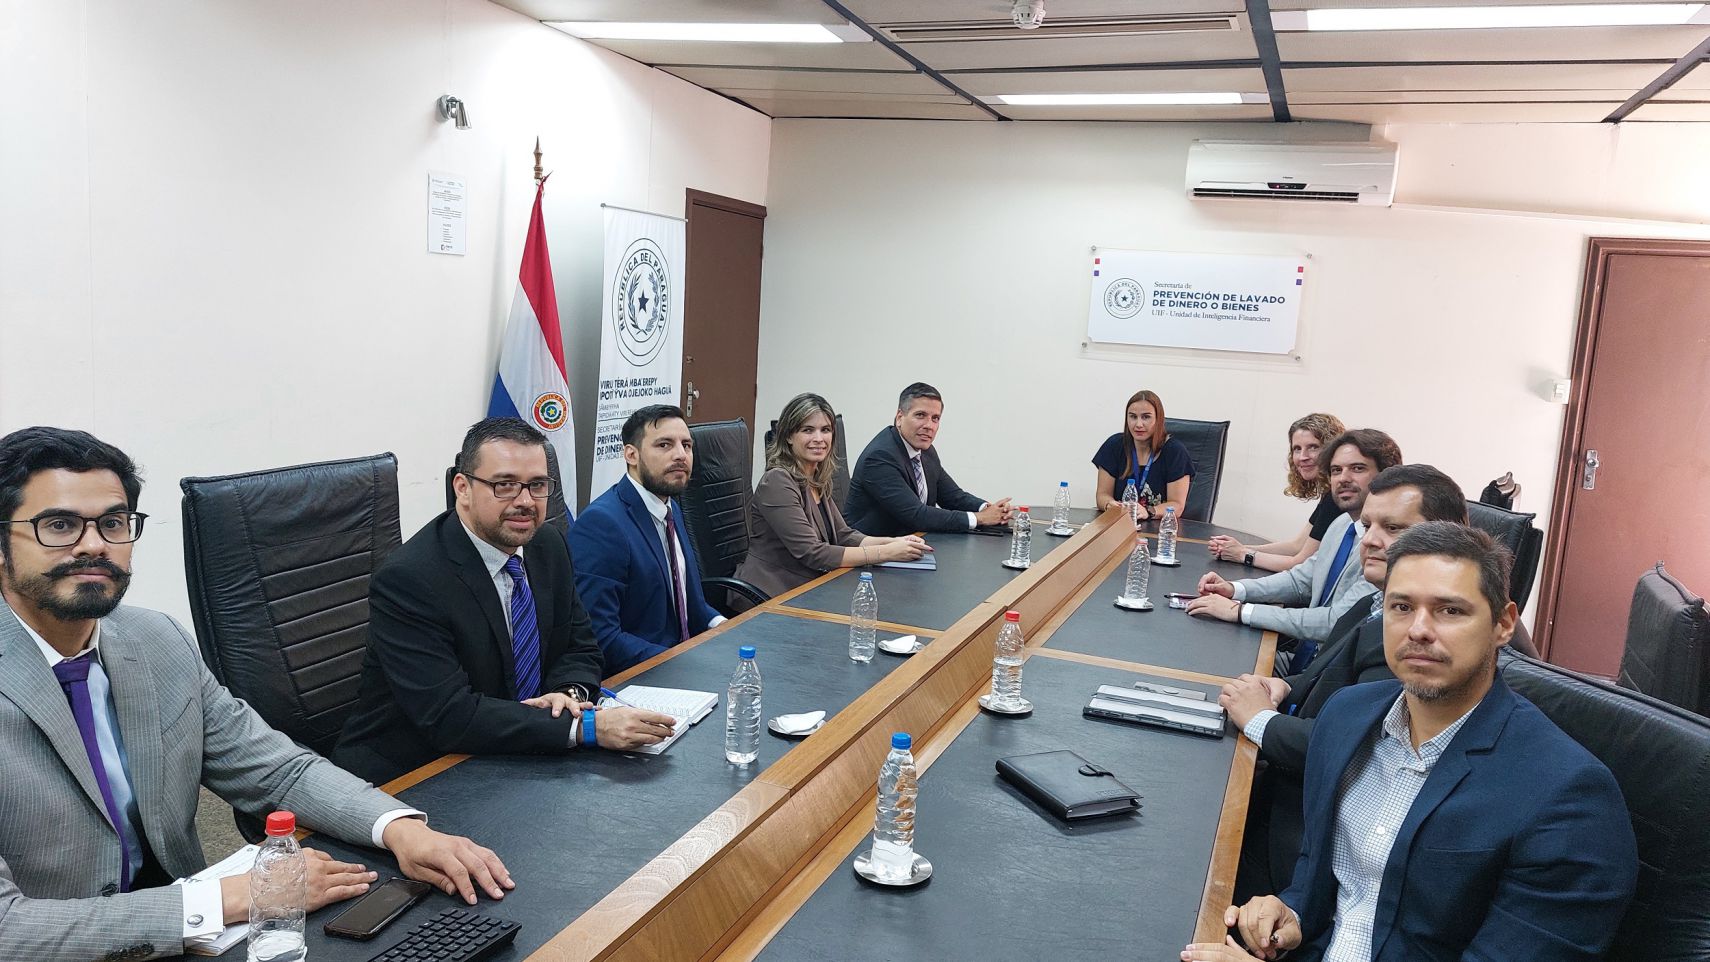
(1270, 62)
(1669, 78)
(913, 61)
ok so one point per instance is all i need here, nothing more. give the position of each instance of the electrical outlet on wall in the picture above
(1558, 390)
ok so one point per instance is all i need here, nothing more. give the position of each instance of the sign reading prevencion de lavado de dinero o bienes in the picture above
(1219, 302)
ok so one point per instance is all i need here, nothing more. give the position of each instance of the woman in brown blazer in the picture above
(795, 530)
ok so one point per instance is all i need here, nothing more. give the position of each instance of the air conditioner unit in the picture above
(1354, 173)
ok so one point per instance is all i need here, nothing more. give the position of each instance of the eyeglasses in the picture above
(63, 530)
(540, 488)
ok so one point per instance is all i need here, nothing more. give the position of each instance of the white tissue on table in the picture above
(790, 724)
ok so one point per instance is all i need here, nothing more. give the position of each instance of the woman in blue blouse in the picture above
(1144, 451)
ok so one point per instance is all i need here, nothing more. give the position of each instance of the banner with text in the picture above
(1219, 302)
(641, 330)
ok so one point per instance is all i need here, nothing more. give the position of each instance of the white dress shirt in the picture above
(657, 508)
(495, 560)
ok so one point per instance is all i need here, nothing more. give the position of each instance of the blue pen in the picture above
(614, 696)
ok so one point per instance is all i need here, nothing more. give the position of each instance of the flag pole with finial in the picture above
(539, 174)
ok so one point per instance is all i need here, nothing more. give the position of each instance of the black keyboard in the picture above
(454, 935)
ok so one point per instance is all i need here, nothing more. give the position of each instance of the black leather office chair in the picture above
(1514, 530)
(715, 509)
(839, 470)
(1206, 442)
(557, 511)
(278, 564)
(1668, 643)
(1660, 756)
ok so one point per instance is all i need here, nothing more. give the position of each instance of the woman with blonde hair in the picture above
(795, 529)
(1143, 452)
(1306, 438)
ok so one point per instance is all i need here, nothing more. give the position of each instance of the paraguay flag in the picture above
(531, 383)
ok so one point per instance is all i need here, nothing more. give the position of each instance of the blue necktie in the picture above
(73, 675)
(1335, 573)
(525, 632)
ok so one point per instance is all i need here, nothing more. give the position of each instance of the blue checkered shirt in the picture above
(1376, 793)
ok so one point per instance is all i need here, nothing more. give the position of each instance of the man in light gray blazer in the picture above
(109, 721)
(1305, 601)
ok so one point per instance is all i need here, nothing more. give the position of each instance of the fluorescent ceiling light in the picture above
(1489, 18)
(714, 32)
(1104, 100)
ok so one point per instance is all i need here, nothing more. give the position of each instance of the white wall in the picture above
(957, 254)
(214, 243)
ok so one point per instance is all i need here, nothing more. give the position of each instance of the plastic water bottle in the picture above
(278, 894)
(1167, 535)
(1139, 571)
(1006, 664)
(862, 615)
(1131, 502)
(1060, 508)
(893, 828)
(1021, 539)
(742, 711)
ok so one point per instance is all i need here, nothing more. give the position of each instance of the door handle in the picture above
(1591, 466)
(689, 395)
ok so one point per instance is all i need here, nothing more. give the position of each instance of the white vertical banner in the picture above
(641, 331)
(1219, 302)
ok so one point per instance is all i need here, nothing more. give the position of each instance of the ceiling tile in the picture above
(678, 11)
(724, 78)
(1301, 98)
(1672, 112)
(1629, 77)
(1458, 113)
(874, 110)
(686, 52)
(1211, 114)
(1698, 79)
(1073, 51)
(1236, 79)
(1556, 43)
(821, 96)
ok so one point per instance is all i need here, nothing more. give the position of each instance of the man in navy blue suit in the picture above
(635, 568)
(1446, 817)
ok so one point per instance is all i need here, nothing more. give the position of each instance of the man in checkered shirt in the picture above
(1446, 817)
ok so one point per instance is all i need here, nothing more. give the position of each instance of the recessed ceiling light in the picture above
(1489, 18)
(712, 32)
(1103, 100)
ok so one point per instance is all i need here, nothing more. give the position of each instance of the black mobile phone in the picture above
(378, 909)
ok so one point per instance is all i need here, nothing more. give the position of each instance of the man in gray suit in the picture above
(1305, 601)
(109, 720)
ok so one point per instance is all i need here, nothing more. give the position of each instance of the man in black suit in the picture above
(475, 648)
(1278, 713)
(899, 486)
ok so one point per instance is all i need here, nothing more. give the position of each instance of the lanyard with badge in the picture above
(1139, 475)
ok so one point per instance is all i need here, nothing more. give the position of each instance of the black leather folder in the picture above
(1067, 785)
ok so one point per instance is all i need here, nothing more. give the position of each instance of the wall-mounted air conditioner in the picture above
(1333, 173)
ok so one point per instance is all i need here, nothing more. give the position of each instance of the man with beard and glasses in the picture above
(477, 642)
(635, 567)
(1446, 817)
(108, 721)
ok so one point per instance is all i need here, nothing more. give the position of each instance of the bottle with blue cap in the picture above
(1060, 510)
(863, 620)
(892, 858)
(742, 710)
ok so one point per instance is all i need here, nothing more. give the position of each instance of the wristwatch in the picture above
(589, 739)
(577, 692)
(1248, 560)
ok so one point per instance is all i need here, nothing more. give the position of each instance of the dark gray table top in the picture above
(571, 828)
(1164, 636)
(1011, 882)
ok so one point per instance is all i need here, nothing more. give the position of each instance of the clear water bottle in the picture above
(893, 828)
(742, 711)
(278, 894)
(1006, 665)
(1139, 571)
(1167, 535)
(1021, 539)
(1131, 502)
(1060, 508)
(862, 616)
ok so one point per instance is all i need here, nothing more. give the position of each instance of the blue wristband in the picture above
(588, 740)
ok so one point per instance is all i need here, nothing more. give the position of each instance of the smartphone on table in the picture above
(368, 915)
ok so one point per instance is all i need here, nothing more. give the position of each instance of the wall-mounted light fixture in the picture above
(451, 108)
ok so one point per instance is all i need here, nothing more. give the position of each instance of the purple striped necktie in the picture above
(73, 675)
(525, 632)
(679, 597)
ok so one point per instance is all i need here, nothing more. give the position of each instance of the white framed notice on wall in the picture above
(1215, 302)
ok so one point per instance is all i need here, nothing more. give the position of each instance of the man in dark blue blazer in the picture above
(900, 487)
(1446, 817)
(635, 567)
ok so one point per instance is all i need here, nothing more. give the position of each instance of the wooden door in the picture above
(1641, 402)
(721, 326)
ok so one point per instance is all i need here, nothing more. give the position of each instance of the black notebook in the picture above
(1067, 785)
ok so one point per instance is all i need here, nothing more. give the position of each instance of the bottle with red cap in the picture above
(1005, 697)
(278, 894)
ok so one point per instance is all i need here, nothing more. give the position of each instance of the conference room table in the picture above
(683, 855)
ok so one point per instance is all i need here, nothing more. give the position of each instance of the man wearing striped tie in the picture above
(478, 643)
(900, 487)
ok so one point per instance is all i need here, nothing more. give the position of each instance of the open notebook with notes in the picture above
(686, 706)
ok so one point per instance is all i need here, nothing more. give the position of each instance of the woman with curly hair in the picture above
(1306, 437)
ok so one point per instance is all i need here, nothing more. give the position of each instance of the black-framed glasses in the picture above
(62, 530)
(540, 488)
